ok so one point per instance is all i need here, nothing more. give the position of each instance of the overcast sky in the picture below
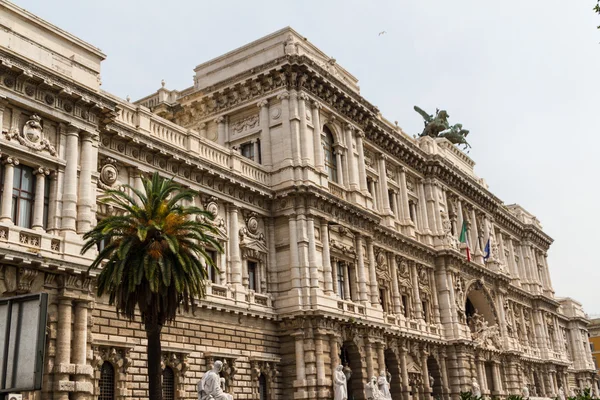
(522, 76)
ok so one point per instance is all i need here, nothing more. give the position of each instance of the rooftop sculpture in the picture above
(438, 126)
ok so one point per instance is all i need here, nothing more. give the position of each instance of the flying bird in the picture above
(382, 33)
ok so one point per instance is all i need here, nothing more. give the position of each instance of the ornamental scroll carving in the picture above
(109, 175)
(211, 204)
(119, 357)
(252, 240)
(266, 369)
(245, 124)
(31, 136)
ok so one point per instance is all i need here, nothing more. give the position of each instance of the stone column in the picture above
(38, 205)
(395, 210)
(376, 200)
(374, 291)
(445, 383)
(295, 128)
(300, 365)
(423, 208)
(434, 294)
(305, 140)
(346, 268)
(476, 250)
(380, 356)
(265, 133)
(9, 176)
(404, 372)
(395, 288)
(84, 203)
(416, 295)
(79, 349)
(362, 283)
(425, 371)
(385, 200)
(327, 273)
(69, 213)
(62, 359)
(404, 197)
(334, 277)
(352, 165)
(221, 134)
(313, 265)
(497, 378)
(319, 160)
(320, 359)
(285, 124)
(234, 246)
(294, 259)
(340, 169)
(369, 354)
(334, 350)
(362, 172)
(52, 203)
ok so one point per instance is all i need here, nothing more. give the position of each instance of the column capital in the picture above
(283, 95)
(11, 160)
(350, 127)
(202, 126)
(360, 134)
(303, 96)
(41, 171)
(262, 103)
(383, 157)
(317, 105)
(220, 119)
(72, 130)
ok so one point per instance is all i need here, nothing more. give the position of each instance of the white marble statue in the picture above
(431, 381)
(384, 386)
(340, 388)
(209, 387)
(525, 392)
(475, 389)
(372, 389)
(561, 393)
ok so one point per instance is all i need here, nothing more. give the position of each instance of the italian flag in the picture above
(463, 239)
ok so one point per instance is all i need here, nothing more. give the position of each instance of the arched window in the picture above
(107, 382)
(330, 160)
(168, 384)
(262, 387)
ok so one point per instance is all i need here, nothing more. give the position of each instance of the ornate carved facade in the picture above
(340, 233)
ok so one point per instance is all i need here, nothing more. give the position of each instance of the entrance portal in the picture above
(351, 360)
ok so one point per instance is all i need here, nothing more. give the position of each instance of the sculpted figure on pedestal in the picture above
(384, 386)
(525, 392)
(561, 393)
(475, 389)
(340, 389)
(438, 126)
(372, 390)
(209, 388)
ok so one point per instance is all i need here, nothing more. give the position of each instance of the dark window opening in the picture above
(252, 284)
(107, 382)
(168, 384)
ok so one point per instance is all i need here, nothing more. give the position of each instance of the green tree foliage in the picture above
(154, 263)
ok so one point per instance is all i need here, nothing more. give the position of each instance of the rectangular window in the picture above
(405, 305)
(411, 210)
(391, 200)
(23, 196)
(252, 284)
(341, 280)
(212, 270)
(247, 150)
(592, 347)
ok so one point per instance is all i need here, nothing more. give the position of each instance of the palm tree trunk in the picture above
(154, 358)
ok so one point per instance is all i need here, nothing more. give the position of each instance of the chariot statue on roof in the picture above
(438, 126)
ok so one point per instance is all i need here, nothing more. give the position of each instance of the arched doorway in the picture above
(350, 358)
(392, 365)
(435, 378)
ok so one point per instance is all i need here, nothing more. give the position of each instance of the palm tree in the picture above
(154, 260)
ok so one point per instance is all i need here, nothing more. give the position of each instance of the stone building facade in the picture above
(340, 233)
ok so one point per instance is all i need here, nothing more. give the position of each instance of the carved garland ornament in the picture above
(32, 136)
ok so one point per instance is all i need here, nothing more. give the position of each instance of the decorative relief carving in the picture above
(245, 124)
(119, 357)
(31, 136)
(109, 175)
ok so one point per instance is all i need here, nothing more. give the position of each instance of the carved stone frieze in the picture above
(31, 136)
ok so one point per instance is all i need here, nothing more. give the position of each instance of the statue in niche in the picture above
(384, 385)
(431, 381)
(210, 388)
(340, 388)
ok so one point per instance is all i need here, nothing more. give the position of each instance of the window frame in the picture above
(165, 396)
(329, 157)
(111, 395)
(16, 195)
(253, 283)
